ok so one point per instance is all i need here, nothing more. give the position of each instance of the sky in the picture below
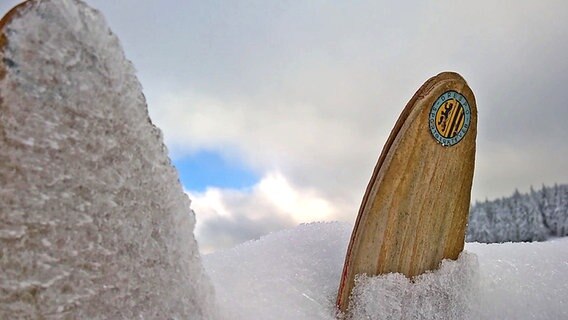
(275, 112)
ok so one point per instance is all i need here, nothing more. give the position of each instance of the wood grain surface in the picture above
(415, 209)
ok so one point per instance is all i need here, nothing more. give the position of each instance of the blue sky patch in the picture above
(209, 169)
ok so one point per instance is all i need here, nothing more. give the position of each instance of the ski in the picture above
(415, 209)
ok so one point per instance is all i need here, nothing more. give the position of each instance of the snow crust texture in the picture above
(448, 293)
(94, 223)
(294, 274)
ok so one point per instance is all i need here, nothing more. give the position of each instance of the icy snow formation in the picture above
(294, 274)
(448, 293)
(93, 221)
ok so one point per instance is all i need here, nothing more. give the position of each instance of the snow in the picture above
(523, 280)
(94, 223)
(446, 293)
(294, 274)
(291, 274)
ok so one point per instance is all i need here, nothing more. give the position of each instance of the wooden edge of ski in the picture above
(7, 18)
(415, 208)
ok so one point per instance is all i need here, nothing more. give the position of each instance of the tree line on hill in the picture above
(535, 216)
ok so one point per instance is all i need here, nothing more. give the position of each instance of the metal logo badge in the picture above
(450, 118)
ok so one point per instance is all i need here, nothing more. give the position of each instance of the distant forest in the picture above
(535, 216)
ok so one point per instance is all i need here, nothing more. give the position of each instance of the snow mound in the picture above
(93, 221)
(291, 274)
(523, 280)
(294, 274)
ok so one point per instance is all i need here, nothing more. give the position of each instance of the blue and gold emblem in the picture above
(449, 118)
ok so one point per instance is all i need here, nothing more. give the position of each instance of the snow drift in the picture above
(294, 274)
(94, 223)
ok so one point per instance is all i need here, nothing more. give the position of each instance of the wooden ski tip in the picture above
(7, 18)
(415, 209)
(13, 12)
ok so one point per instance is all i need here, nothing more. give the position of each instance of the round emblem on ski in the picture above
(449, 118)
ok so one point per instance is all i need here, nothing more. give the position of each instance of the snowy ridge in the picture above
(93, 221)
(294, 274)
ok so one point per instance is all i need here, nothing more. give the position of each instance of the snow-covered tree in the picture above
(522, 217)
(554, 206)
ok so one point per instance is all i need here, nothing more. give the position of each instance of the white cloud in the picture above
(303, 205)
(313, 146)
(226, 217)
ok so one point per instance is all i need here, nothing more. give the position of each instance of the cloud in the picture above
(311, 90)
(311, 144)
(226, 217)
